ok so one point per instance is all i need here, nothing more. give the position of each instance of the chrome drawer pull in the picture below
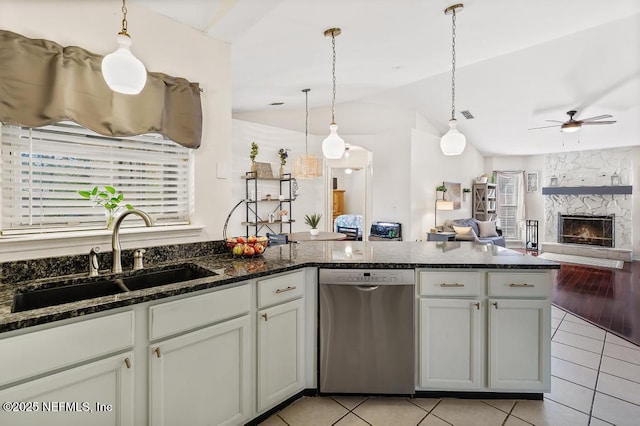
(282, 290)
(521, 285)
(451, 285)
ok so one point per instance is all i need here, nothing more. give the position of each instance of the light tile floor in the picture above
(595, 381)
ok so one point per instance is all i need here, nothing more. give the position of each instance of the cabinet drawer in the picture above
(280, 289)
(520, 284)
(182, 315)
(450, 283)
(38, 352)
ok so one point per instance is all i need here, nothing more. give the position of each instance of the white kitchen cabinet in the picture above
(519, 345)
(95, 393)
(450, 344)
(202, 377)
(508, 352)
(280, 353)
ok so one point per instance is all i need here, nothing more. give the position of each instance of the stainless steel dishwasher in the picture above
(367, 340)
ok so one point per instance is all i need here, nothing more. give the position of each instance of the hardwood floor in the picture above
(609, 298)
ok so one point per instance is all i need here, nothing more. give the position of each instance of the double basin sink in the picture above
(69, 291)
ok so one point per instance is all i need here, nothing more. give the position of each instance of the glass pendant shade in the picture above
(333, 145)
(570, 127)
(453, 142)
(307, 167)
(123, 72)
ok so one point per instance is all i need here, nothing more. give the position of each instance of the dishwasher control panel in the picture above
(366, 276)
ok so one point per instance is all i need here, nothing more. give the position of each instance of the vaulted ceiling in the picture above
(519, 62)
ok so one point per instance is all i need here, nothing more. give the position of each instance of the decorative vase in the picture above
(254, 167)
(110, 216)
(314, 231)
(281, 171)
(284, 218)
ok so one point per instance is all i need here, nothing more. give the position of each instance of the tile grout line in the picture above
(595, 386)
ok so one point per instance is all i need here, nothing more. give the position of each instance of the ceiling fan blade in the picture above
(591, 123)
(544, 127)
(597, 117)
(554, 121)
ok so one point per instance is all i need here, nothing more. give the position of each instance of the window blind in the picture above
(507, 200)
(44, 168)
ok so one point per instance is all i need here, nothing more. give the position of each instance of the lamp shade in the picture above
(123, 72)
(333, 145)
(444, 205)
(453, 142)
(570, 127)
(307, 167)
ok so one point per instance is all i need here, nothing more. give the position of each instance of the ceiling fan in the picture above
(572, 125)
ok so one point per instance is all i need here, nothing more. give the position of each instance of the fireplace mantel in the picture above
(586, 190)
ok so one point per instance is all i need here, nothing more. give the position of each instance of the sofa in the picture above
(473, 230)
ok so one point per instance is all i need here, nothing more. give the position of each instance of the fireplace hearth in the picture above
(588, 230)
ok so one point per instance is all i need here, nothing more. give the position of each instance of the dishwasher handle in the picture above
(367, 287)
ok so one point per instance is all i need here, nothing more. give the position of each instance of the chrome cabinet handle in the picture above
(157, 351)
(282, 290)
(127, 362)
(521, 285)
(451, 285)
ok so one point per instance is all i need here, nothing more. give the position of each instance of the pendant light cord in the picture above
(124, 18)
(333, 102)
(306, 121)
(453, 66)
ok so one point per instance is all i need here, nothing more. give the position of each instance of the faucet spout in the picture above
(115, 237)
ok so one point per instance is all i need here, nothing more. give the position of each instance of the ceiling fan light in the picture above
(453, 142)
(123, 72)
(570, 127)
(333, 145)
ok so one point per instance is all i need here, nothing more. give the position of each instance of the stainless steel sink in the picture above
(63, 292)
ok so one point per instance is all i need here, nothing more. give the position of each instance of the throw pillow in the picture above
(462, 229)
(487, 228)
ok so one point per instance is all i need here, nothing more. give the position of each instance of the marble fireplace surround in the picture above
(590, 169)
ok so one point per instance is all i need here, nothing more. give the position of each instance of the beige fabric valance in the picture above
(42, 82)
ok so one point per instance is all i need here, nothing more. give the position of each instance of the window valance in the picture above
(42, 83)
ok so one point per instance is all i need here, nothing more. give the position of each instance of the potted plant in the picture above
(108, 198)
(440, 190)
(465, 191)
(252, 155)
(313, 222)
(284, 215)
(283, 153)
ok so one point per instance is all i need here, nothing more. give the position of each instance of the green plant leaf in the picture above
(110, 189)
(129, 206)
(94, 191)
(85, 194)
(103, 195)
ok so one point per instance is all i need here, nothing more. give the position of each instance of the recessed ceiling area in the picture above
(518, 63)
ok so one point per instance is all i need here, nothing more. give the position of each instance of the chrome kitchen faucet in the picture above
(115, 238)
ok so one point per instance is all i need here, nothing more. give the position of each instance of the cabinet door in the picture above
(519, 345)
(280, 353)
(96, 393)
(203, 377)
(450, 344)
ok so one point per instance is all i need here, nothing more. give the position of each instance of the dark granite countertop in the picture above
(335, 254)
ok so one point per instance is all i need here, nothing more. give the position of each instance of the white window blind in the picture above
(44, 168)
(510, 203)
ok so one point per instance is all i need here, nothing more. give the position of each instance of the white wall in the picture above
(163, 45)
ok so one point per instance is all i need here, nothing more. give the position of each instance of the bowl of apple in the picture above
(247, 246)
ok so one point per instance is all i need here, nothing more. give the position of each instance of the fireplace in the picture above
(586, 229)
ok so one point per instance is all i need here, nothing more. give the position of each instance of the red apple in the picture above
(252, 239)
(249, 251)
(259, 248)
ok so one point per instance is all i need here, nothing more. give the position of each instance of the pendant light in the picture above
(307, 166)
(123, 72)
(453, 142)
(333, 145)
